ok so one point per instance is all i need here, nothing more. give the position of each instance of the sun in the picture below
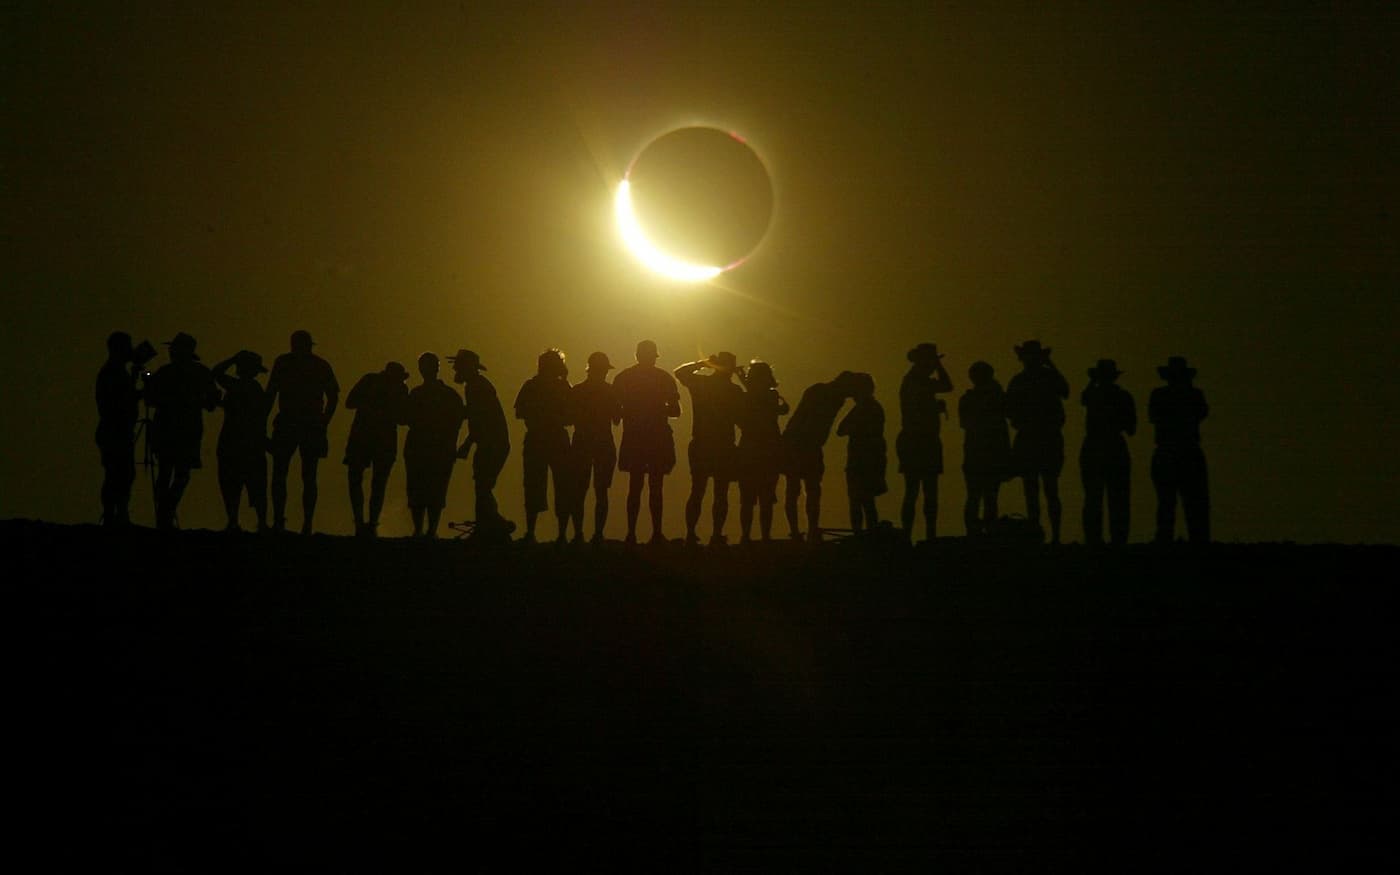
(648, 254)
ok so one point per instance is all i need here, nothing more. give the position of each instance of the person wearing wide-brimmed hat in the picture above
(179, 393)
(543, 404)
(919, 445)
(594, 452)
(760, 450)
(380, 401)
(1035, 408)
(242, 450)
(715, 401)
(649, 397)
(1105, 466)
(1176, 411)
(986, 446)
(433, 413)
(304, 387)
(488, 433)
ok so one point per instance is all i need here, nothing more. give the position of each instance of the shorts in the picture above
(308, 438)
(545, 455)
(719, 461)
(427, 480)
(595, 462)
(244, 470)
(648, 453)
(1039, 454)
(920, 455)
(862, 485)
(805, 463)
(361, 452)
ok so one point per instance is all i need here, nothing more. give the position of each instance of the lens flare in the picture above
(654, 259)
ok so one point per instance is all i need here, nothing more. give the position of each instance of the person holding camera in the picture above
(919, 445)
(118, 393)
(1035, 408)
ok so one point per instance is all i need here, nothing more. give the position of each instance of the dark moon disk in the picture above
(702, 195)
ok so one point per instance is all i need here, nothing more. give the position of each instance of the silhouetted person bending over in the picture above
(118, 393)
(434, 415)
(243, 439)
(1035, 407)
(920, 444)
(715, 399)
(649, 396)
(304, 386)
(596, 410)
(543, 403)
(1178, 464)
(760, 453)
(986, 446)
(866, 459)
(1104, 463)
(180, 392)
(380, 402)
(806, 433)
(487, 431)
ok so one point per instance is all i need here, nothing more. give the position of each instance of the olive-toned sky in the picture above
(401, 177)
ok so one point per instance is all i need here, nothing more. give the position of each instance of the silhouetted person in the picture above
(866, 459)
(1104, 463)
(1178, 465)
(920, 444)
(487, 432)
(242, 448)
(806, 433)
(986, 446)
(118, 394)
(1035, 407)
(380, 402)
(543, 403)
(760, 453)
(649, 396)
(715, 399)
(179, 392)
(596, 410)
(433, 414)
(304, 387)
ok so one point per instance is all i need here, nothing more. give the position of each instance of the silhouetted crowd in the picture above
(736, 437)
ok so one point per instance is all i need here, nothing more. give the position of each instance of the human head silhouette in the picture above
(301, 341)
(428, 366)
(846, 383)
(1106, 371)
(248, 363)
(396, 372)
(1176, 373)
(119, 346)
(182, 348)
(924, 357)
(464, 364)
(550, 364)
(760, 375)
(862, 386)
(981, 374)
(646, 352)
(1032, 354)
(599, 365)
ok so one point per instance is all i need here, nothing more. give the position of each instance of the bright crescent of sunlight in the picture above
(649, 255)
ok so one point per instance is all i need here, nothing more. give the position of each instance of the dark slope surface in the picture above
(212, 701)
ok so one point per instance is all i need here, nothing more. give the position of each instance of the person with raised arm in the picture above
(715, 400)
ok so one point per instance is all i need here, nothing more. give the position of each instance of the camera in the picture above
(143, 353)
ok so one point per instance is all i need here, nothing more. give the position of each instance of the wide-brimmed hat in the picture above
(647, 349)
(247, 360)
(396, 370)
(726, 361)
(598, 361)
(1031, 347)
(182, 342)
(1106, 369)
(465, 358)
(1176, 367)
(924, 352)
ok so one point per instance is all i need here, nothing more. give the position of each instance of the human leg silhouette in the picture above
(1118, 487)
(747, 500)
(378, 485)
(793, 491)
(1164, 481)
(813, 486)
(1094, 484)
(765, 518)
(654, 501)
(1031, 484)
(719, 510)
(255, 481)
(308, 491)
(1195, 498)
(281, 467)
(355, 475)
(698, 483)
(972, 503)
(1052, 505)
(906, 508)
(989, 503)
(230, 489)
(635, 481)
(930, 485)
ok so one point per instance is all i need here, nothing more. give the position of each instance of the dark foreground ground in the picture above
(200, 701)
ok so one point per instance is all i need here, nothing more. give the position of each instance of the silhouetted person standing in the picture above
(543, 403)
(596, 410)
(760, 453)
(304, 386)
(1178, 464)
(920, 444)
(242, 448)
(715, 399)
(487, 432)
(380, 402)
(649, 396)
(866, 461)
(1104, 463)
(986, 446)
(433, 414)
(806, 433)
(179, 392)
(118, 394)
(1035, 407)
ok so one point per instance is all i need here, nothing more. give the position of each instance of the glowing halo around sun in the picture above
(649, 255)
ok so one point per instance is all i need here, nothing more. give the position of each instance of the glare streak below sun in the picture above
(649, 255)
